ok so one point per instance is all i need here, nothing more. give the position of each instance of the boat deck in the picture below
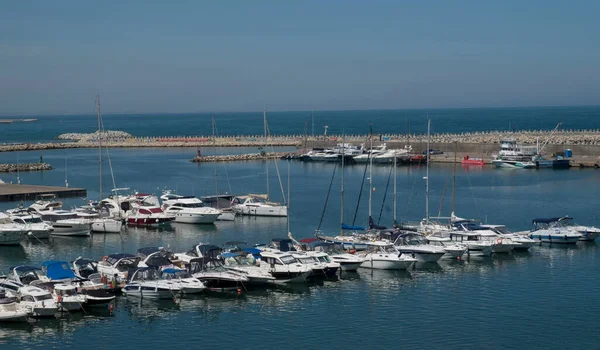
(15, 192)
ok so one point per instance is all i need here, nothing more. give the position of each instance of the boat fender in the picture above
(104, 258)
(352, 251)
(499, 240)
(59, 298)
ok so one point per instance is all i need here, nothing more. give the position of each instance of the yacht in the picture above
(11, 233)
(37, 301)
(258, 205)
(146, 283)
(452, 249)
(267, 267)
(321, 268)
(148, 216)
(347, 261)
(523, 241)
(198, 251)
(384, 256)
(117, 265)
(155, 257)
(68, 298)
(34, 225)
(416, 245)
(64, 222)
(499, 243)
(10, 308)
(215, 277)
(372, 153)
(223, 203)
(549, 230)
(513, 155)
(188, 209)
(106, 225)
(45, 202)
(473, 241)
(588, 233)
(184, 280)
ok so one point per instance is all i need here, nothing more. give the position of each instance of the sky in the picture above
(210, 56)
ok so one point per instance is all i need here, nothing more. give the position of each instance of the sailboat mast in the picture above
(99, 146)
(395, 165)
(427, 173)
(342, 188)
(265, 151)
(454, 177)
(215, 150)
(289, 202)
(371, 173)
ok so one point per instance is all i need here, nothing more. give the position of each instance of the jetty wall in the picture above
(5, 168)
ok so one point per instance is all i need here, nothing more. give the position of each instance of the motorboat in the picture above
(198, 251)
(34, 225)
(146, 283)
(188, 209)
(321, 268)
(512, 155)
(258, 205)
(68, 298)
(215, 277)
(452, 249)
(10, 308)
(272, 268)
(523, 241)
(106, 225)
(347, 261)
(473, 241)
(372, 153)
(416, 245)
(65, 223)
(11, 233)
(46, 202)
(117, 265)
(499, 243)
(384, 256)
(549, 230)
(148, 216)
(155, 257)
(351, 243)
(223, 203)
(38, 302)
(25, 274)
(472, 161)
(588, 233)
(185, 281)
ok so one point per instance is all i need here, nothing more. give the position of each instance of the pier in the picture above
(6, 168)
(16, 192)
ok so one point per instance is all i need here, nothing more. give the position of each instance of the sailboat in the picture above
(103, 224)
(221, 202)
(259, 204)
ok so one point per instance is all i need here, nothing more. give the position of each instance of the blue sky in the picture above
(187, 56)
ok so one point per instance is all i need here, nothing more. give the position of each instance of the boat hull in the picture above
(10, 237)
(276, 211)
(107, 226)
(387, 264)
(14, 316)
(153, 222)
(226, 216)
(71, 229)
(187, 218)
(556, 239)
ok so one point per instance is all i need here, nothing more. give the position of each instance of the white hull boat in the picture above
(107, 225)
(71, 227)
(382, 262)
(11, 234)
(226, 216)
(257, 205)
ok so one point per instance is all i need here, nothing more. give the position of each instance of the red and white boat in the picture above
(472, 161)
(147, 212)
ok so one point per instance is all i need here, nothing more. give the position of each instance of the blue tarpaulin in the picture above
(58, 270)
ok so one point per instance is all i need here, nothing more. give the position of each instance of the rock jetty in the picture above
(6, 168)
(108, 135)
(240, 157)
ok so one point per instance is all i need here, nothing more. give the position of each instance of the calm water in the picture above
(538, 299)
(351, 122)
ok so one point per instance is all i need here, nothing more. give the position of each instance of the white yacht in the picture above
(473, 241)
(10, 308)
(523, 241)
(188, 209)
(68, 298)
(384, 256)
(271, 267)
(155, 257)
(34, 225)
(499, 243)
(452, 249)
(215, 277)
(117, 265)
(145, 283)
(588, 233)
(11, 233)
(64, 223)
(416, 245)
(258, 205)
(223, 203)
(185, 281)
(372, 153)
(549, 230)
(37, 301)
(347, 261)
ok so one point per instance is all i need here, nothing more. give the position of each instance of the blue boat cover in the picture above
(228, 255)
(171, 270)
(252, 251)
(58, 270)
(350, 227)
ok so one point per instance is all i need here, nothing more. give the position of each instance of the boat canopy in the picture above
(84, 261)
(147, 251)
(350, 227)
(546, 220)
(58, 270)
(229, 255)
(172, 271)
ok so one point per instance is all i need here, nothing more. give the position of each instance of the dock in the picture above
(16, 192)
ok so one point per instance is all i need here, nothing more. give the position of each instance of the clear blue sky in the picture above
(188, 56)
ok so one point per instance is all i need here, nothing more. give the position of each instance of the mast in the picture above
(427, 173)
(18, 172)
(215, 170)
(454, 177)
(265, 150)
(313, 124)
(99, 145)
(288, 204)
(66, 168)
(342, 188)
(395, 159)
(371, 172)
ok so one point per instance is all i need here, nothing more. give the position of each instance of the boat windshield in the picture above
(43, 297)
(189, 205)
(66, 292)
(288, 259)
(501, 230)
(306, 260)
(176, 274)
(323, 259)
(33, 220)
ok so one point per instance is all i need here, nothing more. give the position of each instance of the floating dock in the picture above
(16, 192)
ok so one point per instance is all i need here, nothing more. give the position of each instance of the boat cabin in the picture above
(27, 274)
(277, 258)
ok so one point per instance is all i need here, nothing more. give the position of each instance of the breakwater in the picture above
(241, 157)
(6, 168)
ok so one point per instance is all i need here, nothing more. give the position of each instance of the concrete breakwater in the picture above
(6, 168)
(240, 157)
(108, 135)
